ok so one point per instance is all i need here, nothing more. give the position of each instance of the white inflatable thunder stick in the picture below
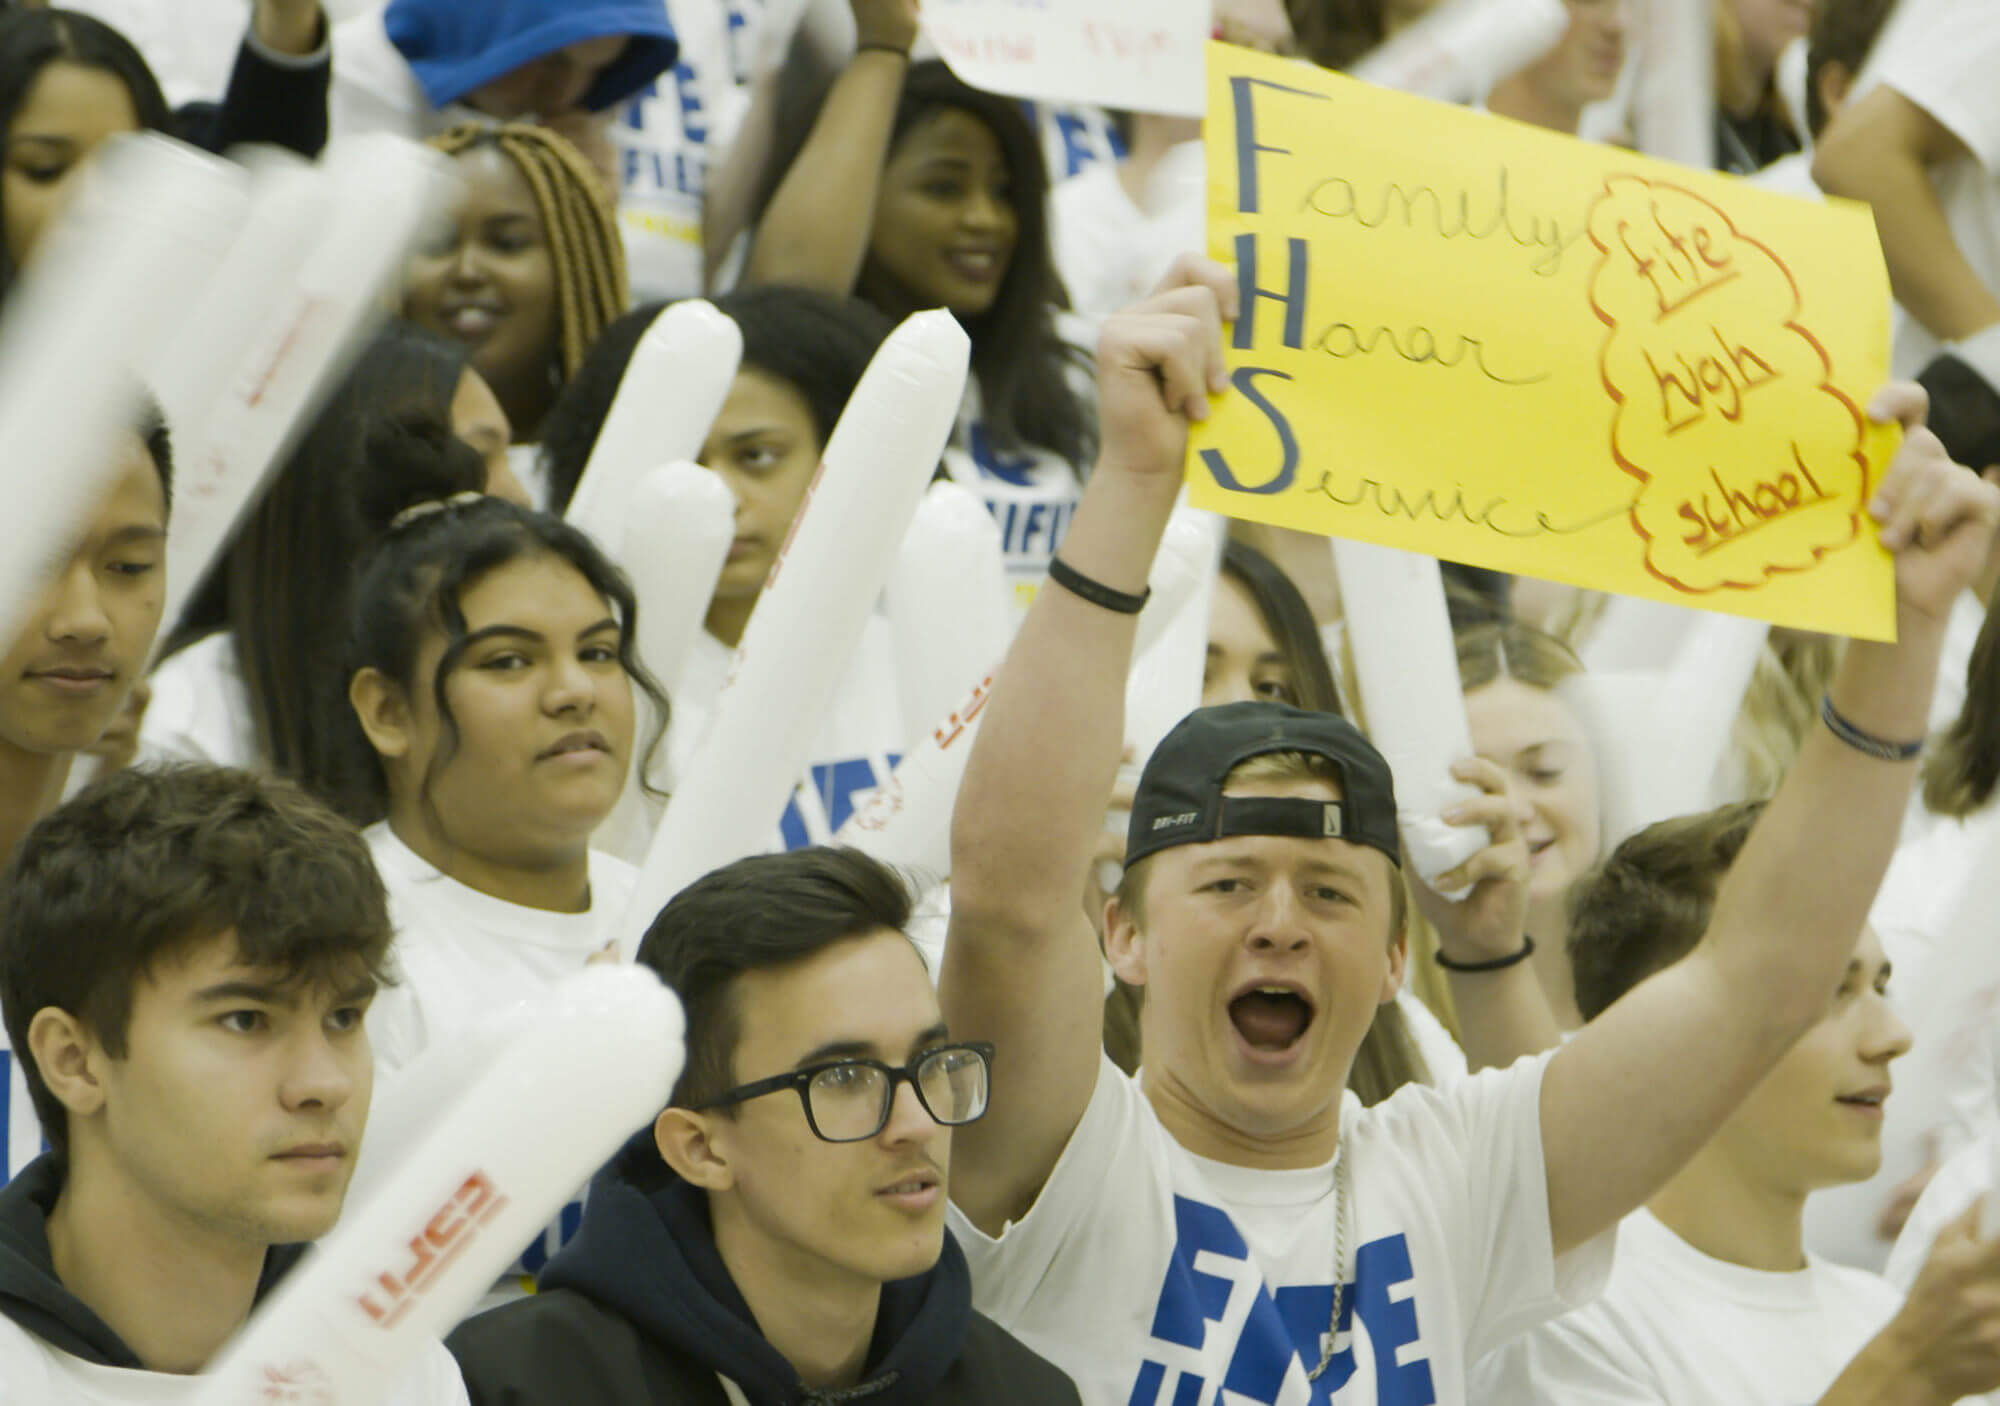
(679, 523)
(1673, 99)
(291, 338)
(1619, 714)
(810, 616)
(1407, 671)
(679, 375)
(1698, 706)
(947, 603)
(1165, 683)
(1635, 633)
(289, 206)
(404, 1265)
(1458, 51)
(907, 821)
(108, 282)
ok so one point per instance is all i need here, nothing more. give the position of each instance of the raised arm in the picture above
(1643, 1086)
(1881, 149)
(1021, 966)
(1502, 1010)
(815, 231)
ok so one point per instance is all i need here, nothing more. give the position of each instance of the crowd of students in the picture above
(1211, 1098)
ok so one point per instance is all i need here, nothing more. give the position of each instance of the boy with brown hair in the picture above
(186, 958)
(1714, 1298)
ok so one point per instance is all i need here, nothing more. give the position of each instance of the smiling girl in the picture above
(1510, 673)
(527, 270)
(913, 191)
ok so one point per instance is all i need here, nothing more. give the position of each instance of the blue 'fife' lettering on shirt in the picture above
(838, 785)
(1281, 1329)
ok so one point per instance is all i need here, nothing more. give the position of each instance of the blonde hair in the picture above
(1388, 1057)
(1779, 706)
(578, 220)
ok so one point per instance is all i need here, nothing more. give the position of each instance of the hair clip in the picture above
(424, 509)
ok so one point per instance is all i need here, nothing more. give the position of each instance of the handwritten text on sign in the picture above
(1471, 338)
(1111, 53)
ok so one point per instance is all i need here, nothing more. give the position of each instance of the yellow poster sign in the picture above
(1471, 338)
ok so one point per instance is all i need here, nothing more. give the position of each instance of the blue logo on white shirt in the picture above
(1280, 1329)
(836, 786)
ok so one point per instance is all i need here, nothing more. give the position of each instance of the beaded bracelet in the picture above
(1865, 742)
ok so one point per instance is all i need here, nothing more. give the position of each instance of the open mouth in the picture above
(1871, 1098)
(1270, 1018)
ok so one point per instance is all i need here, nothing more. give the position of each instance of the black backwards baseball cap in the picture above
(1180, 800)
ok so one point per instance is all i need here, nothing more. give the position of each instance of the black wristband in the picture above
(1096, 592)
(1493, 965)
(1866, 743)
(903, 54)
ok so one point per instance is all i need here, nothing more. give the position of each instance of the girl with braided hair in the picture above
(527, 271)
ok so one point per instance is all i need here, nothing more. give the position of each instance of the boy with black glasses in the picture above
(777, 1235)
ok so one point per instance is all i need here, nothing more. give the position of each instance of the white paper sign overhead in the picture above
(1140, 55)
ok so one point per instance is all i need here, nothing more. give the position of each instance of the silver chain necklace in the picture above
(1339, 1258)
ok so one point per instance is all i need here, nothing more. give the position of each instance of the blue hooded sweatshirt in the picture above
(640, 1310)
(455, 46)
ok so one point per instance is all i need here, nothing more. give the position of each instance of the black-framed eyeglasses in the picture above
(848, 1100)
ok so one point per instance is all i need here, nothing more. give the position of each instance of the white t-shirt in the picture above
(856, 745)
(1941, 55)
(189, 44)
(1153, 1276)
(1677, 1328)
(670, 137)
(32, 1373)
(461, 954)
(1031, 493)
(1110, 252)
(1074, 137)
(200, 711)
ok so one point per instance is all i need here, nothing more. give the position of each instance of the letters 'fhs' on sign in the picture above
(1467, 337)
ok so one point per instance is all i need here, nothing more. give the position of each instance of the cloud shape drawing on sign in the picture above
(1750, 460)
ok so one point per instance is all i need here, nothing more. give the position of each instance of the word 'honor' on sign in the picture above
(1471, 338)
(1110, 53)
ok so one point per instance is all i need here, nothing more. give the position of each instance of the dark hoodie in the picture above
(640, 1309)
(32, 1296)
(454, 46)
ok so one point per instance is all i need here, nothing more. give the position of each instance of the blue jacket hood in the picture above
(645, 1250)
(455, 46)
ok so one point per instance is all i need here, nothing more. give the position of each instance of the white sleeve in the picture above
(1477, 1145)
(1942, 56)
(396, 1029)
(1104, 1160)
(1557, 1364)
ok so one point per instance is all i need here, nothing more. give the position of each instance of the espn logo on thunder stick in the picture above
(454, 1226)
